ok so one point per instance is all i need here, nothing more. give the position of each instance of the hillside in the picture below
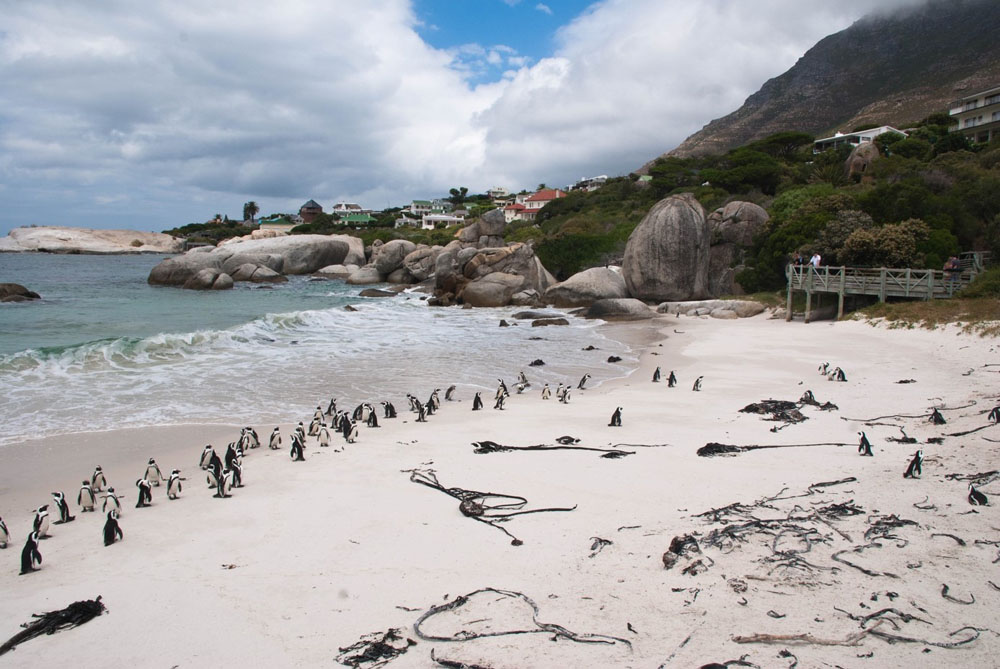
(885, 69)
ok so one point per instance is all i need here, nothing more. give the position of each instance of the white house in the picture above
(978, 115)
(852, 138)
(430, 221)
(590, 183)
(346, 208)
(512, 212)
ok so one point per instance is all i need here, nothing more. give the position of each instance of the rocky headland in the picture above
(58, 239)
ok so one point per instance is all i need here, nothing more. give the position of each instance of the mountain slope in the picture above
(885, 69)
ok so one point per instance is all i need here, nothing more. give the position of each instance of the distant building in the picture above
(512, 212)
(347, 208)
(534, 202)
(357, 219)
(852, 139)
(430, 221)
(498, 193)
(590, 183)
(277, 224)
(978, 115)
(310, 210)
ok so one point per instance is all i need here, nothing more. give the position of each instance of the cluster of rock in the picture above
(55, 239)
(713, 308)
(15, 292)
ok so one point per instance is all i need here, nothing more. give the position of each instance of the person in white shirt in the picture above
(815, 260)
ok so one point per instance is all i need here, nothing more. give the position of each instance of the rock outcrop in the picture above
(861, 159)
(620, 309)
(713, 308)
(15, 292)
(209, 279)
(666, 256)
(56, 239)
(584, 288)
(732, 230)
(486, 232)
(489, 277)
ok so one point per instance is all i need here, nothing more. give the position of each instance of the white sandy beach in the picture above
(310, 556)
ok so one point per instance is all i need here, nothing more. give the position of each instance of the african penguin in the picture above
(63, 508)
(390, 410)
(915, 468)
(937, 418)
(30, 555)
(500, 401)
(995, 415)
(153, 474)
(372, 418)
(656, 375)
(297, 447)
(477, 402)
(697, 384)
(616, 418)
(111, 501)
(86, 498)
(671, 380)
(324, 436)
(174, 486)
(206, 456)
(97, 480)
(145, 493)
(583, 382)
(275, 442)
(449, 395)
(864, 446)
(41, 523)
(4, 534)
(977, 498)
(112, 530)
(546, 392)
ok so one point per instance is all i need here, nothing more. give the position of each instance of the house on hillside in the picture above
(852, 139)
(512, 212)
(978, 115)
(534, 202)
(588, 184)
(430, 221)
(310, 210)
(277, 223)
(347, 208)
(356, 219)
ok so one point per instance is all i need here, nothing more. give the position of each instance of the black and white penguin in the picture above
(389, 410)
(915, 469)
(301, 431)
(808, 398)
(864, 446)
(63, 507)
(583, 382)
(995, 415)
(520, 387)
(111, 501)
(372, 419)
(215, 466)
(230, 480)
(521, 378)
(671, 380)
(275, 441)
(174, 486)
(223, 485)
(616, 418)
(314, 427)
(352, 434)
(449, 395)
(112, 530)
(977, 498)
(656, 375)
(249, 439)
(564, 397)
(837, 375)
(97, 480)
(324, 436)
(824, 368)
(331, 408)
(421, 413)
(153, 473)
(40, 525)
(86, 497)
(358, 412)
(697, 384)
(296, 451)
(232, 455)
(477, 402)
(413, 402)
(318, 414)
(937, 418)
(145, 493)
(546, 392)
(500, 401)
(430, 407)
(212, 478)
(4, 534)
(206, 456)
(435, 399)
(30, 555)
(236, 474)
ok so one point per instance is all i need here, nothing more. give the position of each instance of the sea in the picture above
(104, 350)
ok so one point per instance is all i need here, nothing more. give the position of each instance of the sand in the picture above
(310, 556)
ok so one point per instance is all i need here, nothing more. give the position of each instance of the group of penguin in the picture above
(92, 488)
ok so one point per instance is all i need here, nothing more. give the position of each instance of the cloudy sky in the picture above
(148, 115)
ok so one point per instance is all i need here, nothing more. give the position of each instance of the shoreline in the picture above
(344, 544)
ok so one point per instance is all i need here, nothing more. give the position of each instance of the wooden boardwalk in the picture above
(921, 284)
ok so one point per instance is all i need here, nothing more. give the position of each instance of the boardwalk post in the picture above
(840, 293)
(930, 284)
(881, 290)
(788, 303)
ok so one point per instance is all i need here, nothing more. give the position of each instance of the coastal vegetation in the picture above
(211, 232)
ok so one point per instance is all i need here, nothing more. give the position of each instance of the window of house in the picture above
(970, 105)
(992, 100)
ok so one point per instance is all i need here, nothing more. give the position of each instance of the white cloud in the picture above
(187, 109)
(545, 9)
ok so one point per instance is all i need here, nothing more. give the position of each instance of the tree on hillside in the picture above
(250, 210)
(458, 195)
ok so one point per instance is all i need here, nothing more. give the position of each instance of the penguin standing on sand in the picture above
(215, 466)
(318, 414)
(837, 375)
(521, 378)
(206, 456)
(564, 397)
(546, 392)
(112, 530)
(977, 498)
(435, 399)
(111, 501)
(477, 402)
(697, 384)
(656, 375)
(351, 433)
(296, 451)
(235, 473)
(145, 493)
(421, 413)
(30, 555)
(671, 380)
(224, 485)
(915, 469)
(4, 534)
(389, 410)
(40, 525)
(324, 436)
(232, 455)
(97, 480)
(314, 427)
(301, 431)
(449, 395)
(249, 439)
(430, 407)
(229, 481)
(174, 486)
(583, 382)
(63, 508)
(500, 401)
(373, 418)
(824, 368)
(995, 415)
(153, 473)
(616, 418)
(331, 408)
(937, 418)
(864, 446)
(275, 442)
(559, 391)
(86, 497)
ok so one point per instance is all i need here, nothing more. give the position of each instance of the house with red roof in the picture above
(534, 203)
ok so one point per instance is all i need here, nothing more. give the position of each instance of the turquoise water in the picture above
(103, 349)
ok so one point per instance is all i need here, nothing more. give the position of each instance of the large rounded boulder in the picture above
(15, 292)
(732, 229)
(620, 309)
(666, 256)
(493, 290)
(390, 257)
(421, 262)
(584, 288)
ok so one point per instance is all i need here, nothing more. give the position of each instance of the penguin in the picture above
(521, 378)
(296, 451)
(616, 418)
(145, 493)
(174, 486)
(977, 498)
(97, 480)
(331, 408)
(112, 530)
(837, 375)
(937, 418)
(656, 375)
(313, 427)
(502, 387)
(808, 398)
(583, 382)
(824, 368)
(477, 402)
(449, 395)
(324, 436)
(390, 410)
(864, 446)
(232, 455)
(86, 498)
(230, 480)
(301, 431)
(215, 465)
(153, 474)
(559, 391)
(352, 434)
(546, 392)
(413, 402)
(225, 482)
(995, 415)
(249, 439)
(564, 398)
(275, 442)
(345, 426)
(915, 469)
(519, 387)
(30, 555)
(500, 400)
(236, 474)
(63, 507)
(212, 478)
(4, 534)
(373, 419)
(318, 414)
(697, 384)
(111, 500)
(206, 456)
(421, 413)
(435, 400)
(40, 525)
(671, 380)
(430, 407)
(358, 412)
